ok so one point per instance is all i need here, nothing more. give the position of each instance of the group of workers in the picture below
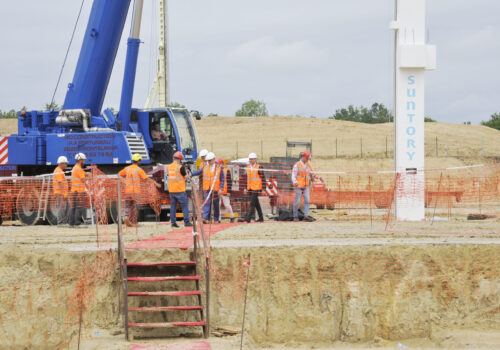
(216, 185)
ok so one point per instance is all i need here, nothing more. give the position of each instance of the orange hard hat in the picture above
(306, 154)
(178, 155)
(219, 161)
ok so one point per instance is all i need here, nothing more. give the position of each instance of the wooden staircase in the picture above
(150, 282)
(162, 291)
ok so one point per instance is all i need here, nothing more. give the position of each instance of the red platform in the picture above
(195, 345)
(180, 239)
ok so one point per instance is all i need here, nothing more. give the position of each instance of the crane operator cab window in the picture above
(163, 137)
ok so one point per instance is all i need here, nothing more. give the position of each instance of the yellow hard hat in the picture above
(136, 157)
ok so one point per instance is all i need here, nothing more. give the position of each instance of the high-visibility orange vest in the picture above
(59, 184)
(77, 179)
(209, 177)
(224, 190)
(133, 175)
(302, 175)
(254, 181)
(176, 181)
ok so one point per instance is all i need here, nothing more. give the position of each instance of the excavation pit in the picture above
(323, 284)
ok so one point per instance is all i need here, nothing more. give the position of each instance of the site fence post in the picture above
(370, 189)
(479, 193)
(262, 149)
(437, 152)
(386, 148)
(336, 148)
(361, 148)
(123, 259)
(437, 196)
(237, 153)
(449, 198)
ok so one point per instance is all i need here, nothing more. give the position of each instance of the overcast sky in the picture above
(300, 57)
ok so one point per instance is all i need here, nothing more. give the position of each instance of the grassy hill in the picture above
(337, 144)
(345, 145)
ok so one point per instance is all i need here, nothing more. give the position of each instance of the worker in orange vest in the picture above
(255, 179)
(176, 179)
(226, 190)
(213, 180)
(78, 178)
(60, 188)
(133, 175)
(200, 162)
(301, 179)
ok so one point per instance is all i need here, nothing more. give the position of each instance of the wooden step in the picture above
(174, 263)
(167, 324)
(159, 279)
(164, 294)
(164, 308)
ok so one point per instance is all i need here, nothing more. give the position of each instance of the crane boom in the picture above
(97, 56)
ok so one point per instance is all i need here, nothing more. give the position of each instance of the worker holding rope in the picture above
(213, 180)
(176, 179)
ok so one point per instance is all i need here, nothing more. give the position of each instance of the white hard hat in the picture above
(252, 156)
(203, 153)
(210, 156)
(62, 159)
(80, 156)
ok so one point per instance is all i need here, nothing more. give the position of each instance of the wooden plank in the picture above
(165, 278)
(164, 308)
(164, 294)
(173, 263)
(166, 324)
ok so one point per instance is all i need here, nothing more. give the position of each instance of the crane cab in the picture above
(166, 131)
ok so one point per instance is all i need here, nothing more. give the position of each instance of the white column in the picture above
(413, 57)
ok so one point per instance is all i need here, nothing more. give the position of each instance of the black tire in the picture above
(27, 204)
(58, 211)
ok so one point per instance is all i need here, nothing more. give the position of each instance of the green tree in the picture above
(378, 113)
(494, 122)
(176, 105)
(52, 106)
(252, 108)
(10, 114)
(429, 120)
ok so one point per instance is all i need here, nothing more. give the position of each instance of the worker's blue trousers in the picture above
(298, 193)
(207, 208)
(182, 199)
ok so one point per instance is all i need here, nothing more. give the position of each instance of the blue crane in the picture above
(108, 139)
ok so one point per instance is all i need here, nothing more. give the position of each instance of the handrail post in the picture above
(122, 257)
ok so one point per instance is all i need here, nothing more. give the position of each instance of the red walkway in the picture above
(181, 238)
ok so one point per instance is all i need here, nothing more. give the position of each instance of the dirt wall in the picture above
(303, 294)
